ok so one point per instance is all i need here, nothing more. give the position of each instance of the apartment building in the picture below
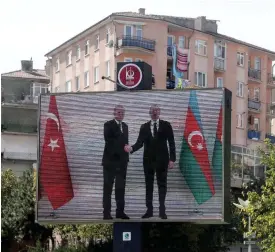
(215, 60)
(19, 97)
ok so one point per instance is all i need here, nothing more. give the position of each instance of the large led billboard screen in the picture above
(160, 155)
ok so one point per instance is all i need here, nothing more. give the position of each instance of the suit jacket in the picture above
(115, 141)
(156, 148)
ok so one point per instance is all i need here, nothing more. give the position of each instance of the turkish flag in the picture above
(54, 172)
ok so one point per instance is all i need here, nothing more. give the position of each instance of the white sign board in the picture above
(126, 236)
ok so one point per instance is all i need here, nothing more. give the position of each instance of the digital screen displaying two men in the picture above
(142, 156)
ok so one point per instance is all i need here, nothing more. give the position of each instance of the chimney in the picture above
(141, 11)
(27, 65)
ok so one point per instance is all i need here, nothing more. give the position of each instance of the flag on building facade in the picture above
(194, 161)
(54, 173)
(217, 152)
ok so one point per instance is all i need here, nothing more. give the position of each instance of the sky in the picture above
(31, 28)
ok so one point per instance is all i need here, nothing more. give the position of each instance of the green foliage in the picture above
(17, 203)
(262, 203)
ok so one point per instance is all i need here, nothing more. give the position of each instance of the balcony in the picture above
(17, 127)
(254, 105)
(20, 156)
(254, 135)
(19, 100)
(254, 74)
(136, 44)
(219, 64)
(270, 110)
(271, 80)
(271, 137)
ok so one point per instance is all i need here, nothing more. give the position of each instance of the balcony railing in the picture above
(254, 104)
(254, 73)
(19, 155)
(219, 64)
(17, 127)
(254, 135)
(19, 99)
(169, 51)
(271, 138)
(132, 41)
(170, 84)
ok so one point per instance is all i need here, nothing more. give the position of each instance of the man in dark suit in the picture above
(154, 136)
(115, 161)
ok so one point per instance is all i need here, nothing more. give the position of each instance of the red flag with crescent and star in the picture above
(194, 161)
(54, 171)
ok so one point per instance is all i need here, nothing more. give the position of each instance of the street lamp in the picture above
(243, 206)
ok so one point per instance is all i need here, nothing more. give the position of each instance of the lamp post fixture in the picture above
(243, 206)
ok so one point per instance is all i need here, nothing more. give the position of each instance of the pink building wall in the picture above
(158, 31)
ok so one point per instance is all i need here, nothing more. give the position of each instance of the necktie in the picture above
(120, 126)
(155, 129)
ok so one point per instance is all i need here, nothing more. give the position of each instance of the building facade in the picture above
(19, 97)
(215, 60)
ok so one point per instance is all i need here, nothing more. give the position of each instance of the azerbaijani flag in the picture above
(217, 152)
(194, 162)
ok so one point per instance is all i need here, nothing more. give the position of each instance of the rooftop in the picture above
(27, 72)
(184, 22)
(34, 74)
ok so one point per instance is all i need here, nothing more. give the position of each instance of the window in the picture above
(108, 73)
(256, 124)
(201, 47)
(128, 59)
(57, 65)
(78, 52)
(69, 58)
(219, 50)
(77, 83)
(96, 74)
(170, 40)
(258, 63)
(96, 42)
(108, 36)
(86, 79)
(87, 47)
(39, 88)
(240, 120)
(257, 94)
(181, 42)
(56, 89)
(240, 59)
(128, 30)
(68, 86)
(139, 31)
(219, 82)
(138, 60)
(240, 89)
(200, 79)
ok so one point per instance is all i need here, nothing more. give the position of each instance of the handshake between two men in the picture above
(128, 148)
(153, 136)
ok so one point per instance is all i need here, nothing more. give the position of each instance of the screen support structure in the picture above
(126, 235)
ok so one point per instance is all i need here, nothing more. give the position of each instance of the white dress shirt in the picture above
(152, 126)
(120, 125)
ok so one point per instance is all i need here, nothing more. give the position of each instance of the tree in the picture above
(17, 210)
(262, 203)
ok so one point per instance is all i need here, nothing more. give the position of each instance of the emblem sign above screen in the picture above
(134, 76)
(121, 155)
